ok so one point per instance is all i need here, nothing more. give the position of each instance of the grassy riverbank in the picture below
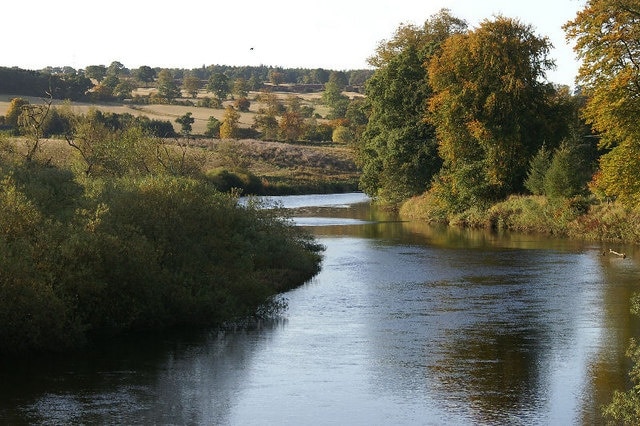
(133, 246)
(579, 218)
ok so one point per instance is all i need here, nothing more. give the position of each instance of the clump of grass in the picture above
(608, 222)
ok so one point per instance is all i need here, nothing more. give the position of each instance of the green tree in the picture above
(342, 134)
(96, 72)
(538, 167)
(167, 87)
(185, 122)
(191, 84)
(213, 128)
(123, 89)
(116, 69)
(569, 171)
(145, 74)
(397, 151)
(266, 124)
(607, 40)
(218, 84)
(489, 108)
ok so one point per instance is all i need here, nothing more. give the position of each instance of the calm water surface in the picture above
(405, 324)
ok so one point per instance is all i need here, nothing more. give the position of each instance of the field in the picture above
(171, 112)
(305, 166)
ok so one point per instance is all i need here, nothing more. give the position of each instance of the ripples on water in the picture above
(405, 324)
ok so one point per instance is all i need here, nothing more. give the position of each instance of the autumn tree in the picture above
(607, 40)
(229, 126)
(291, 126)
(276, 77)
(489, 109)
(15, 109)
(397, 151)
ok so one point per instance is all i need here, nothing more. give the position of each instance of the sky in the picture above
(329, 34)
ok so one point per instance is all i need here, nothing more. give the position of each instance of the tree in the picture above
(229, 126)
(218, 84)
(31, 121)
(167, 87)
(191, 84)
(15, 109)
(607, 37)
(116, 69)
(342, 134)
(569, 170)
(397, 151)
(97, 72)
(242, 104)
(291, 126)
(267, 124)
(538, 167)
(213, 128)
(489, 108)
(276, 77)
(123, 89)
(240, 87)
(145, 74)
(185, 122)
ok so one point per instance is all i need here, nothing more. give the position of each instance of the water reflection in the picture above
(405, 324)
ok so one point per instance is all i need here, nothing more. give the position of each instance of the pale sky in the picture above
(330, 34)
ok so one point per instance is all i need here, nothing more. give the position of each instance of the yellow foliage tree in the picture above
(229, 126)
(607, 36)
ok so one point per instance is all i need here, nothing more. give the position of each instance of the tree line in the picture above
(464, 124)
(468, 118)
(101, 82)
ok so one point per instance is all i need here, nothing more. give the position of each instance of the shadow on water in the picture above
(173, 377)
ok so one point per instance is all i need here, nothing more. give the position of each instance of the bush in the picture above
(136, 253)
(225, 181)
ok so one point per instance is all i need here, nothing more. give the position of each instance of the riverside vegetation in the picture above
(124, 233)
(457, 125)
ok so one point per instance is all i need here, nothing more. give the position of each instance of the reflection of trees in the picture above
(610, 367)
(181, 378)
(495, 368)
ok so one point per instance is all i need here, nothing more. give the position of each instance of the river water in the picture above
(406, 324)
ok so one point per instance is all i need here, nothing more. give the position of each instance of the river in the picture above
(406, 324)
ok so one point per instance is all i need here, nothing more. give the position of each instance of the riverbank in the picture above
(85, 256)
(579, 218)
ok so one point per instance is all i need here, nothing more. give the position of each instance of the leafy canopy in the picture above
(489, 108)
(397, 151)
(607, 37)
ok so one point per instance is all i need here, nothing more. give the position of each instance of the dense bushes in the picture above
(86, 256)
